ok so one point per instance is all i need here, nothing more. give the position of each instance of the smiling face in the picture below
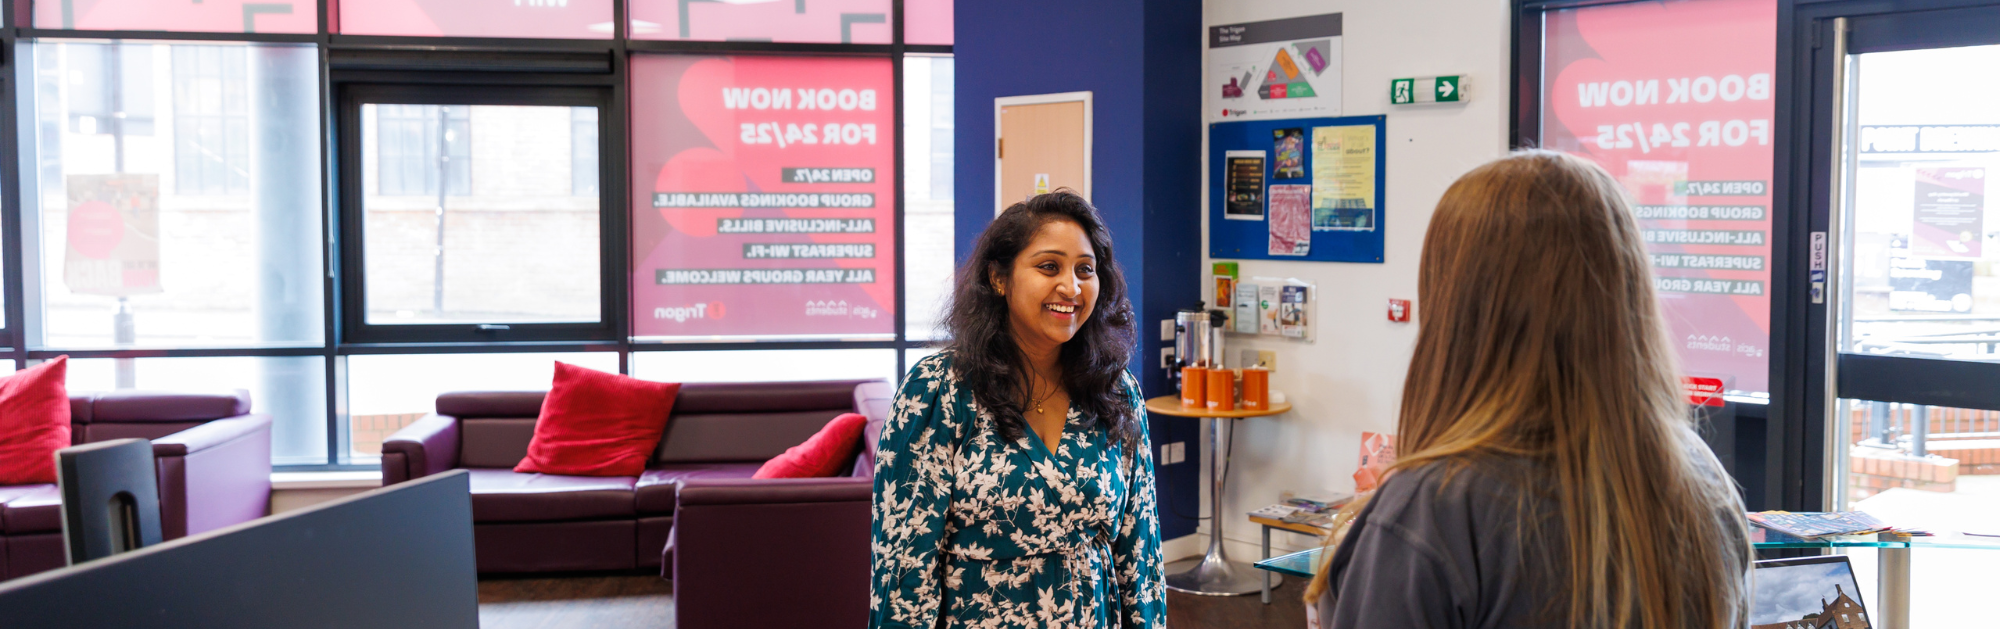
(1052, 286)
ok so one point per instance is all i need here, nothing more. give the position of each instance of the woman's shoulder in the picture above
(1466, 484)
(935, 367)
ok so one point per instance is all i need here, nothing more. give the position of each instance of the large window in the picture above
(1688, 133)
(348, 217)
(166, 219)
(482, 198)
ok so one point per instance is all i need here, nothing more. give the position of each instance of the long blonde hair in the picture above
(1540, 336)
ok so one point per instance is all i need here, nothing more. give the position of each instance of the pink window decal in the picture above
(788, 21)
(209, 16)
(927, 22)
(763, 197)
(551, 19)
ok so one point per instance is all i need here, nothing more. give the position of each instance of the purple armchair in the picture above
(545, 523)
(729, 532)
(213, 457)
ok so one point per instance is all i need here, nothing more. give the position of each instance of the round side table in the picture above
(1213, 574)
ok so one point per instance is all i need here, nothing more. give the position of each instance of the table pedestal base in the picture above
(1215, 576)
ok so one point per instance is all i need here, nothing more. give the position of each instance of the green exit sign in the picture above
(1427, 89)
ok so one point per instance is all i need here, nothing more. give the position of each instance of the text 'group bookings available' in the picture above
(765, 199)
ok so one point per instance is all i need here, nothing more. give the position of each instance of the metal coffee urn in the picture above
(1197, 340)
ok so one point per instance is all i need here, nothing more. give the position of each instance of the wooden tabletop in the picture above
(1296, 527)
(1171, 405)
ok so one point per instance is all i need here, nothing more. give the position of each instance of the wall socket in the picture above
(1176, 452)
(1265, 357)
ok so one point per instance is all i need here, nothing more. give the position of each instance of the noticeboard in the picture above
(1306, 189)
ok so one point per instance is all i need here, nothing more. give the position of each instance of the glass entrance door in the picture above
(1914, 424)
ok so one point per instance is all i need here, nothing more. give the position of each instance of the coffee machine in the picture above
(1197, 340)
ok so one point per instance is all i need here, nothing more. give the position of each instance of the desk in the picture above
(1212, 574)
(1892, 571)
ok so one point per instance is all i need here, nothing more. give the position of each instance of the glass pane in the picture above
(818, 21)
(1927, 467)
(550, 19)
(211, 16)
(927, 22)
(179, 195)
(472, 215)
(1921, 244)
(927, 194)
(791, 365)
(911, 356)
(1687, 130)
(386, 393)
(763, 197)
(291, 389)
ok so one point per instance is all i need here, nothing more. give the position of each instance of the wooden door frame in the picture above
(999, 203)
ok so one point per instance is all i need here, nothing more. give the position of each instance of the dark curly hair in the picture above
(985, 356)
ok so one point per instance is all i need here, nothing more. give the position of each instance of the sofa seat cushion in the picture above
(656, 485)
(30, 509)
(508, 496)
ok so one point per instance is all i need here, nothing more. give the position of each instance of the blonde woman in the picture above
(1550, 475)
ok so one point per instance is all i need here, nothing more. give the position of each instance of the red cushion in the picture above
(34, 422)
(598, 424)
(822, 454)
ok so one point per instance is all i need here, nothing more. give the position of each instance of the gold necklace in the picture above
(1045, 398)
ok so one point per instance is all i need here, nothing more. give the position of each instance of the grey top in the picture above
(1438, 547)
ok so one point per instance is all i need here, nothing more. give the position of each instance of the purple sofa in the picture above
(547, 523)
(213, 457)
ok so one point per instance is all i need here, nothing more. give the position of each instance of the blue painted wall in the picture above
(1141, 60)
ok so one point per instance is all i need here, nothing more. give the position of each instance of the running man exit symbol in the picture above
(1400, 91)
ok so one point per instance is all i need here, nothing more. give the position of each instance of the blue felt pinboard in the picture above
(1250, 240)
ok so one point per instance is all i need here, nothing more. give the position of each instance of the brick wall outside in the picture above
(1961, 442)
(368, 431)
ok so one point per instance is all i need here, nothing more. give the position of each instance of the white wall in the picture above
(1350, 380)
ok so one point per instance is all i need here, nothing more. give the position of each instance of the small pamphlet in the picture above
(1246, 308)
(1291, 220)
(1225, 283)
(1814, 524)
(1289, 145)
(1243, 191)
(1267, 309)
(1378, 452)
(1292, 312)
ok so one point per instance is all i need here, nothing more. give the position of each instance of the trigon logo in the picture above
(710, 310)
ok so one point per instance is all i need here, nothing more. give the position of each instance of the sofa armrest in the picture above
(728, 532)
(214, 475)
(425, 447)
(210, 435)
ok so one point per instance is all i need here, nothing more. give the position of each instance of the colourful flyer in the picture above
(1291, 220)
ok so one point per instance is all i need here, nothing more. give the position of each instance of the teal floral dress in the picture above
(974, 531)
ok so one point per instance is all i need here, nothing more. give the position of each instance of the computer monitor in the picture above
(399, 556)
(1806, 593)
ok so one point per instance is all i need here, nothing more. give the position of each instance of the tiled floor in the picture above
(622, 601)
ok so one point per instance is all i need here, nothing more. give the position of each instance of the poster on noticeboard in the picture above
(1689, 136)
(763, 200)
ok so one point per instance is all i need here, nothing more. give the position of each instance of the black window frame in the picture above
(352, 92)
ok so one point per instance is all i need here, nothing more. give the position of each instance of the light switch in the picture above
(1166, 329)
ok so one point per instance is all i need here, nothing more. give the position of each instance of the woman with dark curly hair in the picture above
(1014, 480)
